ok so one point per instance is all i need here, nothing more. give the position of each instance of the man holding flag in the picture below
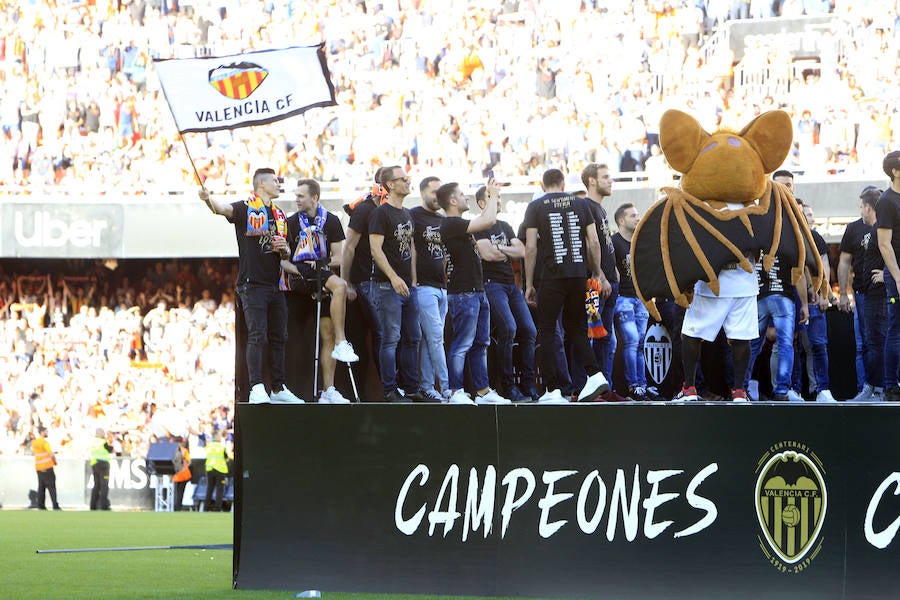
(261, 231)
(228, 92)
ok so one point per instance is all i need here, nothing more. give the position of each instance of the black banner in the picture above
(610, 501)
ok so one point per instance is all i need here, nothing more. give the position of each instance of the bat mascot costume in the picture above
(726, 215)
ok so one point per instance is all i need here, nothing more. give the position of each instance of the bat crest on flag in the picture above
(237, 81)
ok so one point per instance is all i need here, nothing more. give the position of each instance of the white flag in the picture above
(253, 88)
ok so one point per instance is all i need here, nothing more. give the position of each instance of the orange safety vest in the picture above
(43, 456)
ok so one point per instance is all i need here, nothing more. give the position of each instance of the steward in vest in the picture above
(216, 472)
(101, 453)
(44, 461)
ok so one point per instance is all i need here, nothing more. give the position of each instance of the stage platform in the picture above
(699, 501)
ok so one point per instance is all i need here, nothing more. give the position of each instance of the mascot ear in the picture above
(681, 138)
(771, 135)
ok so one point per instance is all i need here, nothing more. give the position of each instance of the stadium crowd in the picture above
(146, 352)
(456, 86)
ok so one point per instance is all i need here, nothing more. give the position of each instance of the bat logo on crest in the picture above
(791, 502)
(237, 80)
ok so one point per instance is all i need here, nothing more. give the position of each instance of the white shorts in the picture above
(708, 314)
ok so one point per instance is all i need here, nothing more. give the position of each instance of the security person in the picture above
(101, 453)
(216, 472)
(44, 461)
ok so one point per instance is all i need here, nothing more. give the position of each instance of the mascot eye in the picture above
(734, 142)
(710, 147)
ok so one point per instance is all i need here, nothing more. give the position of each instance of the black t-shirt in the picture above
(821, 244)
(333, 230)
(887, 214)
(499, 271)
(561, 221)
(256, 261)
(853, 242)
(396, 225)
(429, 249)
(608, 259)
(623, 263)
(872, 261)
(464, 266)
(776, 280)
(361, 269)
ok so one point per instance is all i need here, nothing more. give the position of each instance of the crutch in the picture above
(319, 295)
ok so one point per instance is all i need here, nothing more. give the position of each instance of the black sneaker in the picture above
(892, 394)
(515, 395)
(531, 393)
(394, 397)
(417, 396)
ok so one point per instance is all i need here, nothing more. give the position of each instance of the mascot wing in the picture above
(681, 240)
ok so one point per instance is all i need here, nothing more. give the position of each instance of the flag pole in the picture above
(196, 173)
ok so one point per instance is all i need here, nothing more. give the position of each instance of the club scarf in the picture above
(258, 218)
(311, 242)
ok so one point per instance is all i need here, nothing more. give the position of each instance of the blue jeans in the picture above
(631, 319)
(265, 313)
(779, 310)
(860, 332)
(432, 314)
(892, 336)
(817, 332)
(470, 315)
(398, 315)
(876, 319)
(510, 317)
(366, 298)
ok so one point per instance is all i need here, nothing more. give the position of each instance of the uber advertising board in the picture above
(624, 501)
(61, 230)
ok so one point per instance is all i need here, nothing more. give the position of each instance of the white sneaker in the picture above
(258, 394)
(825, 396)
(865, 394)
(344, 352)
(460, 397)
(332, 396)
(793, 396)
(595, 385)
(491, 397)
(285, 396)
(553, 397)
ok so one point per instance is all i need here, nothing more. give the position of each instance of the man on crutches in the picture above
(315, 237)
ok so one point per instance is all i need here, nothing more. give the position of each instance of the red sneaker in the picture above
(739, 395)
(687, 394)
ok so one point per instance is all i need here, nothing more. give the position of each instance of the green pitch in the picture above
(176, 574)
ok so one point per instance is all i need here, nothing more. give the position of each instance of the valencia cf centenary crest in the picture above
(791, 502)
(237, 81)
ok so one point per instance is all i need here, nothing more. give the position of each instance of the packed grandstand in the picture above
(147, 348)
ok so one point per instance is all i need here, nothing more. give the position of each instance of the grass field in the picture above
(177, 574)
